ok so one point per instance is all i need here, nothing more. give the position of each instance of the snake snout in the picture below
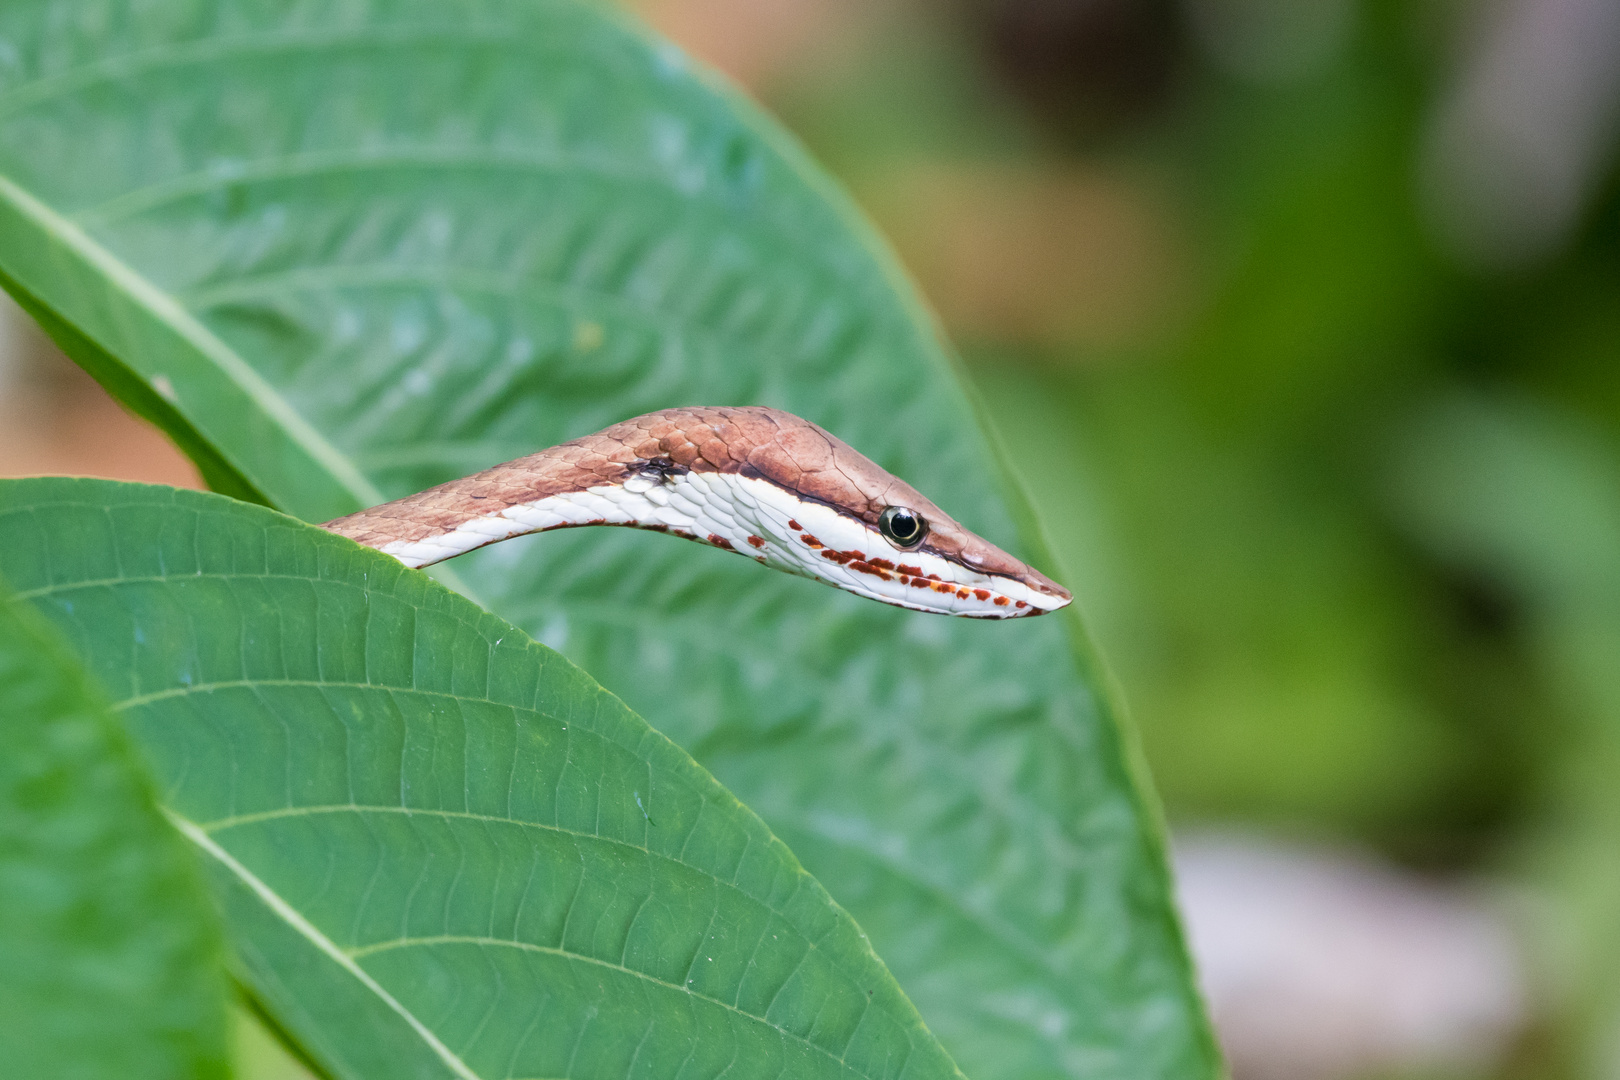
(1043, 584)
(983, 556)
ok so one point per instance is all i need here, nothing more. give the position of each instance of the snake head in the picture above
(937, 564)
(802, 500)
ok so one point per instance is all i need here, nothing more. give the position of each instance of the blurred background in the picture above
(1300, 320)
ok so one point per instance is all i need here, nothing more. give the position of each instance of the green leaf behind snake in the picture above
(354, 249)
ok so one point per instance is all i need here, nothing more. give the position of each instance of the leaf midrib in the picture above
(165, 309)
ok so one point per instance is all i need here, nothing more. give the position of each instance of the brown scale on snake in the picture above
(757, 481)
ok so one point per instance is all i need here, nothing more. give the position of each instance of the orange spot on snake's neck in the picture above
(720, 542)
(794, 525)
(758, 542)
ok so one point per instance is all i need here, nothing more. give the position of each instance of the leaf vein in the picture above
(451, 939)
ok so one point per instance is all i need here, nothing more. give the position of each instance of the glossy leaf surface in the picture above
(354, 249)
(444, 850)
(111, 964)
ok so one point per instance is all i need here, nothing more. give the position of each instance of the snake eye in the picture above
(903, 526)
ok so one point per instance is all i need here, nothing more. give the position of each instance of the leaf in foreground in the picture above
(354, 250)
(110, 959)
(442, 849)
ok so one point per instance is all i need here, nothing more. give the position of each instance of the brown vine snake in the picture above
(759, 482)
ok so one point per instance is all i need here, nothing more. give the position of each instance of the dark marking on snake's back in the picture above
(662, 468)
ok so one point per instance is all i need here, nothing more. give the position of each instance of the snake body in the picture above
(756, 481)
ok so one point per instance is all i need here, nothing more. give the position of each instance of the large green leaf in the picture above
(355, 248)
(111, 964)
(443, 850)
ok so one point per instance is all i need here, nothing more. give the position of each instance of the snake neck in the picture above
(449, 519)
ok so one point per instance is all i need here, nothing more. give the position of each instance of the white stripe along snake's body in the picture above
(756, 481)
